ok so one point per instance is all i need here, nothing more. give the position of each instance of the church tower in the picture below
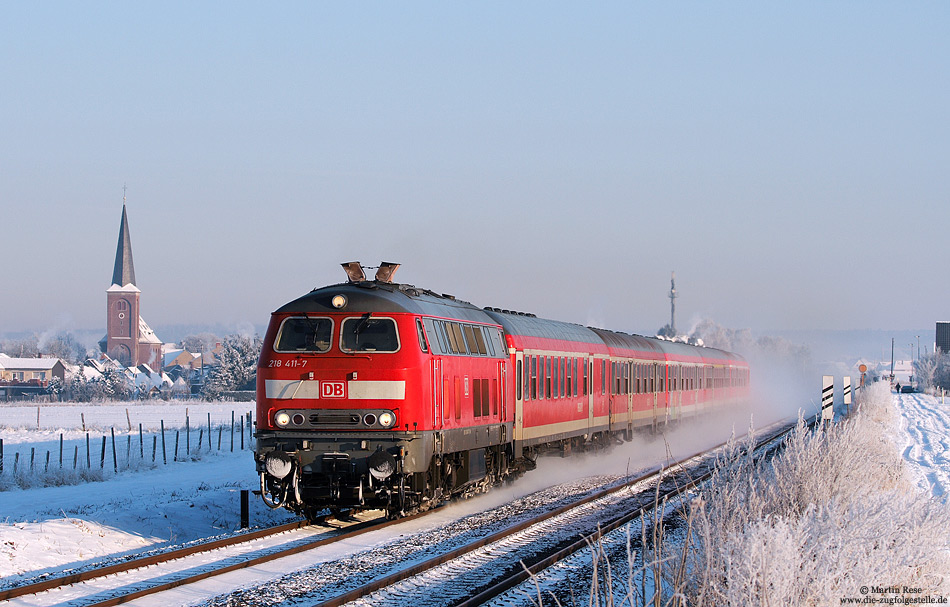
(129, 340)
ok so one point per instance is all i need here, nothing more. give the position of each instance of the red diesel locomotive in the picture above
(383, 395)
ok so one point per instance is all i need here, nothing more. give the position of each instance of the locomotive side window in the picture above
(369, 334)
(304, 334)
(480, 340)
(432, 328)
(469, 331)
(490, 335)
(422, 336)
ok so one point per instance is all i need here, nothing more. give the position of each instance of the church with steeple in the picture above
(128, 340)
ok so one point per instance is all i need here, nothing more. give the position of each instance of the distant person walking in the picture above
(898, 387)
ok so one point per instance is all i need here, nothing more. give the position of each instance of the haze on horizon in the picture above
(788, 161)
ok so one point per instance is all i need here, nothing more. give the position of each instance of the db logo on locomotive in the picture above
(332, 389)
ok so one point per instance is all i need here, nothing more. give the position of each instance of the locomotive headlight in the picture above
(386, 419)
(338, 301)
(282, 419)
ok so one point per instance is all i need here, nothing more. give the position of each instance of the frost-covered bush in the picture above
(831, 513)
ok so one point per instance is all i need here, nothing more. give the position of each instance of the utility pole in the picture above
(892, 360)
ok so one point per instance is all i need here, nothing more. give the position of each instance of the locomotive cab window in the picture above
(304, 334)
(369, 334)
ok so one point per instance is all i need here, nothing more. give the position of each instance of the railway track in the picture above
(484, 562)
(115, 584)
(481, 571)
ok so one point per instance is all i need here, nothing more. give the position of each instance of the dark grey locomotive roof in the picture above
(382, 297)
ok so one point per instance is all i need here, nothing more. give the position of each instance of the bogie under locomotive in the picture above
(381, 395)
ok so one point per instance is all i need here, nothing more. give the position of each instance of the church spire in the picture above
(124, 272)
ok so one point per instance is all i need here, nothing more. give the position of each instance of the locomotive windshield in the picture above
(369, 334)
(305, 334)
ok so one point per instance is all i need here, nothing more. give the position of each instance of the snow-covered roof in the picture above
(28, 364)
(146, 335)
(129, 288)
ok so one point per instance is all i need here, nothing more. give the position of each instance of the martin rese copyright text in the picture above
(893, 595)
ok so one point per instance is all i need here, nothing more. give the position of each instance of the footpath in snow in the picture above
(925, 425)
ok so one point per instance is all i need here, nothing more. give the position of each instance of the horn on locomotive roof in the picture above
(354, 271)
(386, 271)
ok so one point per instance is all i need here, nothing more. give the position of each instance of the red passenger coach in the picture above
(376, 394)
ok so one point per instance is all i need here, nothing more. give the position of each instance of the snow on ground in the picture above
(151, 505)
(925, 426)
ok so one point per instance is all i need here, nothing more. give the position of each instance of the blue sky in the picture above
(787, 160)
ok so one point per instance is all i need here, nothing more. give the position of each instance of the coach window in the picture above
(304, 334)
(554, 379)
(573, 362)
(519, 377)
(559, 372)
(533, 372)
(584, 376)
(547, 377)
(369, 334)
(576, 375)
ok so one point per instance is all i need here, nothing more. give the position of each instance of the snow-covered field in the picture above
(925, 425)
(151, 505)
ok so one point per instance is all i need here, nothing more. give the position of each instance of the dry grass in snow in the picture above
(832, 513)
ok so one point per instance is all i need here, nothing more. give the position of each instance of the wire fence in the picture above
(94, 459)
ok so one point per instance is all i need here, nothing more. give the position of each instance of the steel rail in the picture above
(656, 472)
(404, 574)
(145, 561)
(527, 571)
(156, 559)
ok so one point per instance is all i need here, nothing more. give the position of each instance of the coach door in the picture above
(653, 391)
(589, 385)
(521, 373)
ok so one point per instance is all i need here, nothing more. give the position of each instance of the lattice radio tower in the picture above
(673, 297)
